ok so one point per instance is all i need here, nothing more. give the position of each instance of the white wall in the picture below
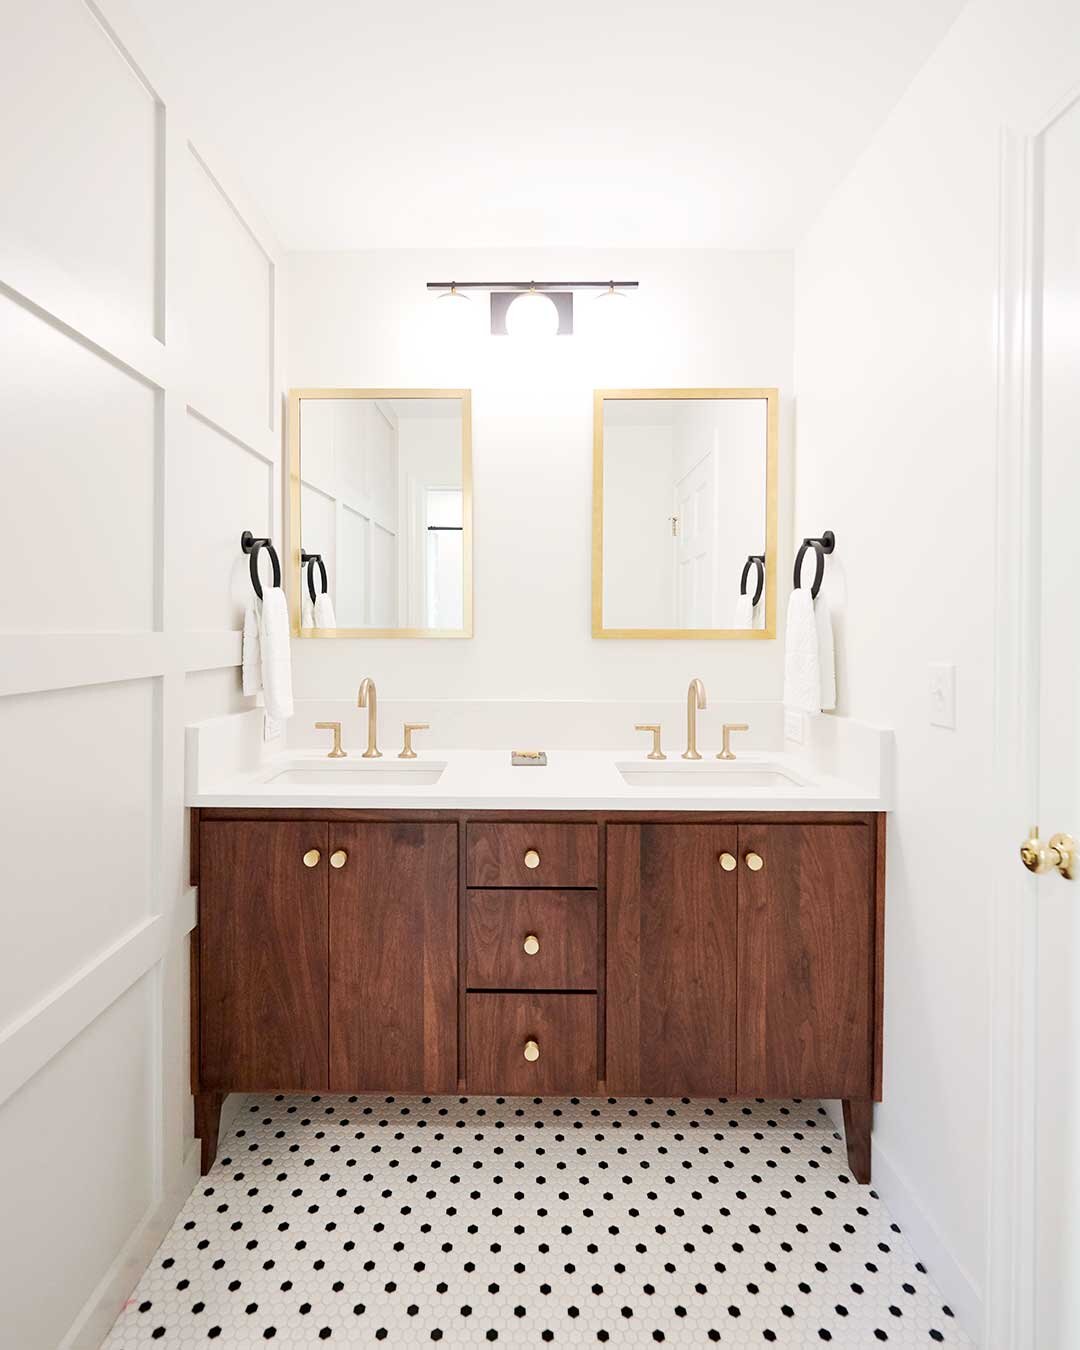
(896, 389)
(140, 403)
(700, 318)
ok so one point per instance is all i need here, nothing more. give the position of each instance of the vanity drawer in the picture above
(530, 940)
(559, 1030)
(524, 854)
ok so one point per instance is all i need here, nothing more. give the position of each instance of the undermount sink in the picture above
(711, 775)
(335, 774)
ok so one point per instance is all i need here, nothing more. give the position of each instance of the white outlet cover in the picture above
(794, 728)
(942, 689)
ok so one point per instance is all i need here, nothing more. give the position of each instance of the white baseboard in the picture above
(957, 1287)
(103, 1306)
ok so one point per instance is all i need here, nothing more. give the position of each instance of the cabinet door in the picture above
(262, 956)
(806, 957)
(671, 946)
(393, 958)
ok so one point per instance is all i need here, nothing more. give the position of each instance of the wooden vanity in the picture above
(644, 953)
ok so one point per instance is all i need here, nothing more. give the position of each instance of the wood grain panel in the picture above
(262, 957)
(564, 924)
(496, 854)
(671, 946)
(393, 958)
(563, 1026)
(806, 959)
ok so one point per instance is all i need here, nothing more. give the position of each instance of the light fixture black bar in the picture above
(532, 285)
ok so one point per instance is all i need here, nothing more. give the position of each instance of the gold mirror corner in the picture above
(380, 506)
(685, 531)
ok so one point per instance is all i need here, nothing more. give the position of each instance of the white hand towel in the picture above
(251, 661)
(307, 609)
(826, 654)
(744, 612)
(802, 668)
(324, 611)
(276, 657)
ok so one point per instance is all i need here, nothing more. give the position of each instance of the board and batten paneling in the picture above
(218, 582)
(230, 278)
(75, 1166)
(62, 485)
(140, 403)
(86, 159)
(77, 831)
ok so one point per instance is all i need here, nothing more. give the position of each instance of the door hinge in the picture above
(674, 524)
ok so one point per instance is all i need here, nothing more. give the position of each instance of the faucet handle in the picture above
(726, 752)
(407, 752)
(335, 727)
(654, 727)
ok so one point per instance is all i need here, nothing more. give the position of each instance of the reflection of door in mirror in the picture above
(684, 482)
(694, 531)
(382, 481)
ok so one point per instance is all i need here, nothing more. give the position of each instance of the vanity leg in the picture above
(207, 1120)
(858, 1115)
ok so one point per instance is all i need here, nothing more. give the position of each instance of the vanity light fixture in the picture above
(533, 315)
(453, 293)
(532, 308)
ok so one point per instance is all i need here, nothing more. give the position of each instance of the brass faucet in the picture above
(695, 702)
(367, 698)
(726, 751)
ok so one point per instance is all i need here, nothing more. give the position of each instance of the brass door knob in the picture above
(531, 945)
(1058, 855)
(311, 857)
(532, 1051)
(338, 858)
(532, 858)
(727, 862)
(754, 861)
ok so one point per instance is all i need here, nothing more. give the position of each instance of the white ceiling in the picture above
(615, 123)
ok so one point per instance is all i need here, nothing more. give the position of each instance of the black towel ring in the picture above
(251, 546)
(756, 560)
(825, 544)
(311, 559)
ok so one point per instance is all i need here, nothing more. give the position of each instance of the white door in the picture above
(1057, 1115)
(695, 546)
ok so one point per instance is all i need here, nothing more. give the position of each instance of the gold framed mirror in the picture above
(684, 513)
(380, 510)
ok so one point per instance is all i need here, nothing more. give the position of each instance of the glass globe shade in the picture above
(532, 314)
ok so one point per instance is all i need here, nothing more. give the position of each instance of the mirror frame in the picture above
(772, 423)
(296, 396)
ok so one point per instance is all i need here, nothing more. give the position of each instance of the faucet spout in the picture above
(695, 703)
(368, 698)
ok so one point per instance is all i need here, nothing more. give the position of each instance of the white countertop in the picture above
(485, 780)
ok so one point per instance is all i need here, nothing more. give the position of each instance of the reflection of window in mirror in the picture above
(380, 480)
(683, 478)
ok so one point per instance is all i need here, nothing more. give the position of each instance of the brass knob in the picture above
(532, 858)
(727, 862)
(754, 861)
(532, 1051)
(338, 858)
(1060, 854)
(311, 857)
(531, 944)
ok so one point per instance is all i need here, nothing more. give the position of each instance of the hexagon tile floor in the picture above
(403, 1221)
